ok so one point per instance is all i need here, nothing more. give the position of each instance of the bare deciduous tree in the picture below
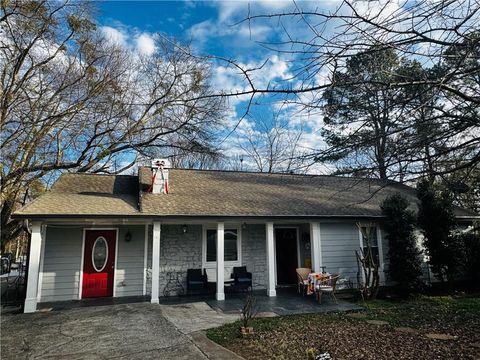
(442, 36)
(272, 145)
(73, 101)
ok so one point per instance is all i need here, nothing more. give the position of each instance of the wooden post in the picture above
(33, 268)
(220, 295)
(155, 261)
(270, 260)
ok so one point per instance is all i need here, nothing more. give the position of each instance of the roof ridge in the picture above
(95, 174)
(285, 174)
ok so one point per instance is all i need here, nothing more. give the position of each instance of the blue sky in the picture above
(208, 25)
(214, 28)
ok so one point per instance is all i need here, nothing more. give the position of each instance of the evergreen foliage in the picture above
(404, 256)
(437, 221)
(471, 243)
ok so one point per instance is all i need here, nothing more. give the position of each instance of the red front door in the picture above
(98, 263)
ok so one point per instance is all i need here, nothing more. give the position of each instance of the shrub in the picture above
(471, 244)
(437, 221)
(248, 310)
(405, 266)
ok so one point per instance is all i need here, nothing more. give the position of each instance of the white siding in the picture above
(129, 270)
(61, 264)
(149, 259)
(339, 242)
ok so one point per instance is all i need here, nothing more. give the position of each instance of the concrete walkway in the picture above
(172, 330)
(192, 317)
(125, 331)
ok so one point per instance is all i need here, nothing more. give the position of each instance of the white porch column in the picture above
(33, 268)
(220, 295)
(316, 246)
(270, 260)
(155, 261)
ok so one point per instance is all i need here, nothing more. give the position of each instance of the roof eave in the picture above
(181, 216)
(206, 216)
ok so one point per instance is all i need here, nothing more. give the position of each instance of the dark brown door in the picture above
(286, 253)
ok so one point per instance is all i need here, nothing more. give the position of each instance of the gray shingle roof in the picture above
(218, 193)
(87, 194)
(228, 193)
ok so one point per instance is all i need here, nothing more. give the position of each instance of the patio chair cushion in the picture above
(244, 280)
(326, 288)
(212, 274)
(195, 282)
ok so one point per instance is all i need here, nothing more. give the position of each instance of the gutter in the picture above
(182, 216)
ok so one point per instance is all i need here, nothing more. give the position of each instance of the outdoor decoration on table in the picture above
(248, 313)
(313, 278)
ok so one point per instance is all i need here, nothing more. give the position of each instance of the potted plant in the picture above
(248, 312)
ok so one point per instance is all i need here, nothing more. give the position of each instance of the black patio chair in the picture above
(243, 278)
(196, 281)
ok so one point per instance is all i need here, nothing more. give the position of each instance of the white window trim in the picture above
(379, 245)
(213, 264)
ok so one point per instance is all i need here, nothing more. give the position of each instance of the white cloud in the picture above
(130, 38)
(378, 10)
(145, 44)
(214, 30)
(238, 9)
(115, 36)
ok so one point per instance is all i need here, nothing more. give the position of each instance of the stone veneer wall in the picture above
(179, 251)
(254, 253)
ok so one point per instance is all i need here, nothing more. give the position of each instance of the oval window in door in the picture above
(99, 254)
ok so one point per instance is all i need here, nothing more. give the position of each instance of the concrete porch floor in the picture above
(287, 302)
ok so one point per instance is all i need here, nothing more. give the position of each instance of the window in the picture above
(371, 232)
(99, 254)
(230, 245)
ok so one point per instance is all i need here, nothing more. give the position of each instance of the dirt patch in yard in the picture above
(346, 340)
(347, 337)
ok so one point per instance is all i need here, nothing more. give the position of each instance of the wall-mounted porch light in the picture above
(128, 236)
(185, 229)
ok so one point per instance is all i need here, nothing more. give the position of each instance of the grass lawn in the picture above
(348, 336)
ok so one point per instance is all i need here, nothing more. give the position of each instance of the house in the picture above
(118, 235)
